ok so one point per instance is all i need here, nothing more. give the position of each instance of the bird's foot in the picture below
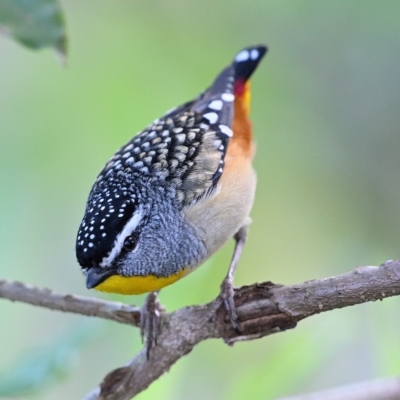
(226, 296)
(150, 321)
(226, 299)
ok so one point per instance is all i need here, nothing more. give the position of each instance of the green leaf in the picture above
(34, 23)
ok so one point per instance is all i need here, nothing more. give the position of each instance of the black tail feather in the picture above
(246, 61)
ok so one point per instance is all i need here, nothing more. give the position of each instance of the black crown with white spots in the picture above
(183, 151)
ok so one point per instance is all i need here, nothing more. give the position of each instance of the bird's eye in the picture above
(130, 243)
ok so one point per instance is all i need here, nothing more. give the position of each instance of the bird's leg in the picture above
(150, 320)
(227, 291)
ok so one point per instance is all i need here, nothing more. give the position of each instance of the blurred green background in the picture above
(327, 122)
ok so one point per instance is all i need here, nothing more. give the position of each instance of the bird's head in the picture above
(132, 238)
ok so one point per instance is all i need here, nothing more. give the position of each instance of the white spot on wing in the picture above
(242, 56)
(212, 117)
(227, 97)
(216, 105)
(226, 130)
(181, 138)
(129, 147)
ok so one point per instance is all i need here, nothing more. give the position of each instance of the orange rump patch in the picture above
(242, 140)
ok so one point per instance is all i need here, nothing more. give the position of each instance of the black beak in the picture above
(96, 275)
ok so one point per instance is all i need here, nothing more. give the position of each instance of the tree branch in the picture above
(118, 312)
(263, 309)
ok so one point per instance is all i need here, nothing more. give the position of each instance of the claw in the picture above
(227, 294)
(226, 299)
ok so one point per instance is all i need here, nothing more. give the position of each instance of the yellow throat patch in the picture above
(138, 284)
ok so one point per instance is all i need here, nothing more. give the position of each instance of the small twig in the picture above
(114, 311)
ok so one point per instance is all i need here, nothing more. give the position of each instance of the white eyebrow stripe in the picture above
(130, 226)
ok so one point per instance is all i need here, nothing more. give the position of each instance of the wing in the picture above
(187, 146)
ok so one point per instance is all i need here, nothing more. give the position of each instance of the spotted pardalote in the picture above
(176, 192)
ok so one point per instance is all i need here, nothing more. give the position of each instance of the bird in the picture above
(173, 195)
